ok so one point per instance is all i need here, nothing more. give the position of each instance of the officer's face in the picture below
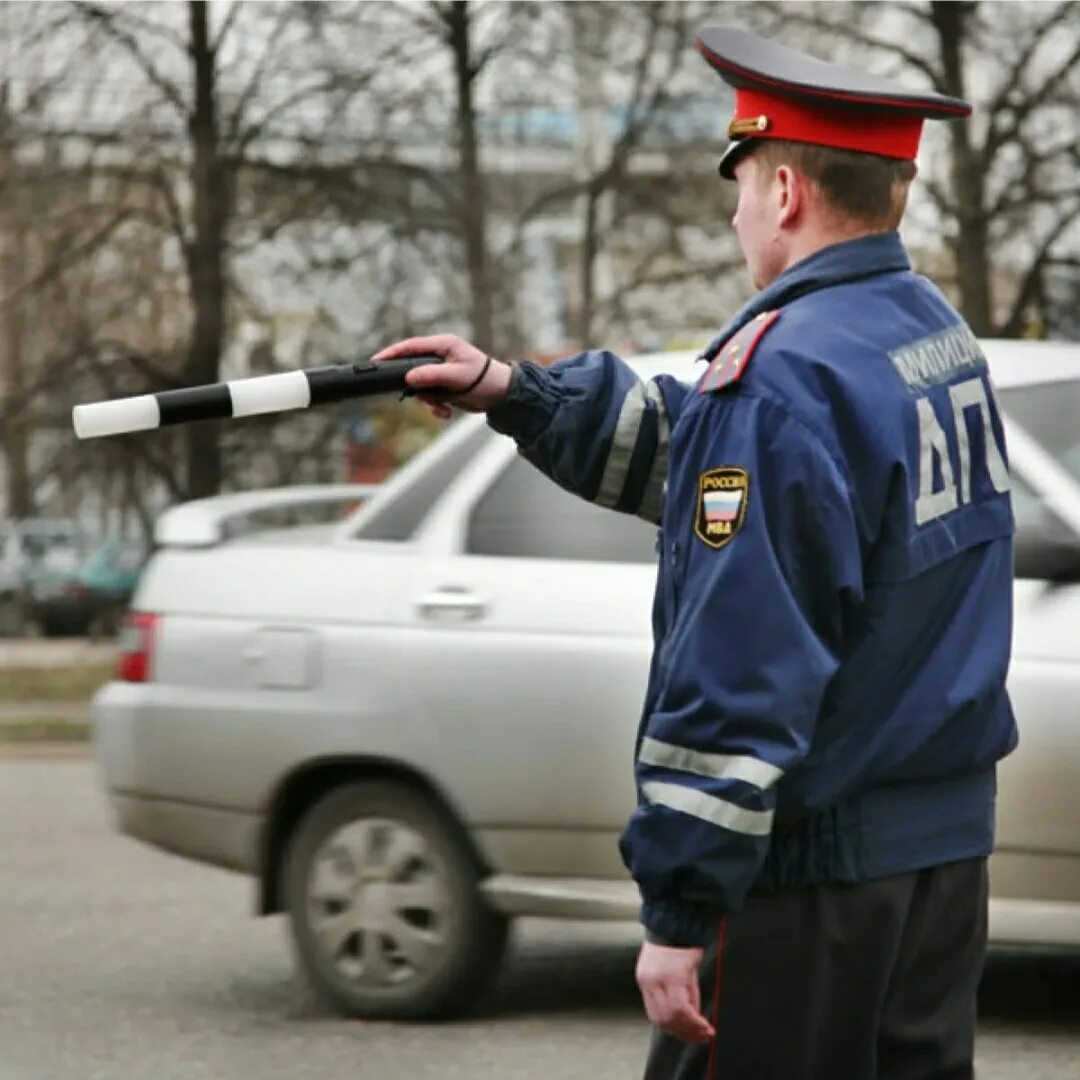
(758, 218)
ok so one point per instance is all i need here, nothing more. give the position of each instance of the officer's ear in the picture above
(791, 188)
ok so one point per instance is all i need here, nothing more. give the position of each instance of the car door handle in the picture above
(451, 601)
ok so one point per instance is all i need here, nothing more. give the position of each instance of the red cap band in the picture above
(861, 129)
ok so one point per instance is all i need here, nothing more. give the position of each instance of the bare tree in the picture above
(1003, 183)
(14, 429)
(202, 192)
(457, 19)
(25, 28)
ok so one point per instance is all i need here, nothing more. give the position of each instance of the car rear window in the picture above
(400, 517)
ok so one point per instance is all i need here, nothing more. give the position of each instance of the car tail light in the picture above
(136, 641)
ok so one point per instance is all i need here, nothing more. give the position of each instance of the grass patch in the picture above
(44, 729)
(78, 682)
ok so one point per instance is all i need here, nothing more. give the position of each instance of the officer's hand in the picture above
(462, 367)
(668, 979)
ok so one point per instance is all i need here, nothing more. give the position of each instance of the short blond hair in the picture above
(865, 188)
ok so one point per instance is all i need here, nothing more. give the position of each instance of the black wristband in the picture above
(477, 381)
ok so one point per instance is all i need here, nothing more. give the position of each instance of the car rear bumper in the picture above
(221, 836)
(120, 713)
(207, 834)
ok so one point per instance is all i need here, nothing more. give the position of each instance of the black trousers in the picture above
(875, 981)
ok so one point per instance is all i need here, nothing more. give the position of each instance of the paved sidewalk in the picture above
(26, 721)
(48, 726)
(54, 652)
(15, 711)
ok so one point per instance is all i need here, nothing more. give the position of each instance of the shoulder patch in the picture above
(733, 358)
(721, 504)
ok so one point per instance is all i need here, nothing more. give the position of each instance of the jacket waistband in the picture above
(887, 830)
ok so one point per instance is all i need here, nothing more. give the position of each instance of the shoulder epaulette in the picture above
(733, 357)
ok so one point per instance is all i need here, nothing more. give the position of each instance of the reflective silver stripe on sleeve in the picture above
(751, 770)
(652, 500)
(622, 446)
(709, 808)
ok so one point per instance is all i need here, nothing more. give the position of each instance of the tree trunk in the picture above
(971, 249)
(205, 256)
(589, 247)
(14, 426)
(472, 194)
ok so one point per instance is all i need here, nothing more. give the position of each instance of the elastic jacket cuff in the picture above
(529, 406)
(679, 926)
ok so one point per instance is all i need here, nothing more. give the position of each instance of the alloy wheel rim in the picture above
(378, 901)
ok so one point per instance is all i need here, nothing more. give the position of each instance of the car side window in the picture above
(1045, 548)
(525, 515)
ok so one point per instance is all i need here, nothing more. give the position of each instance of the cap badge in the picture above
(752, 125)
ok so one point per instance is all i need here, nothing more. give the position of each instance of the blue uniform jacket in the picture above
(832, 619)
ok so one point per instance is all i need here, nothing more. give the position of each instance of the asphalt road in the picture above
(118, 961)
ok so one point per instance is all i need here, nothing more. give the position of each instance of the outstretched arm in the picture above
(587, 422)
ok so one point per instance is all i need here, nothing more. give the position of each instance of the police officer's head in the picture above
(795, 198)
(821, 153)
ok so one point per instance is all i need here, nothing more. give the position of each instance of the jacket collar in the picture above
(850, 260)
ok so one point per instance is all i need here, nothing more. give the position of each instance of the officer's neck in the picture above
(816, 236)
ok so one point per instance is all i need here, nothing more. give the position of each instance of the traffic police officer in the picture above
(826, 702)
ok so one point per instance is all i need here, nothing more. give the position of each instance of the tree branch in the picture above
(869, 41)
(226, 26)
(107, 20)
(997, 137)
(68, 257)
(146, 26)
(255, 129)
(1013, 324)
(235, 122)
(156, 378)
(1015, 74)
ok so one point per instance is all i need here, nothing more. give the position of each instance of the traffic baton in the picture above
(247, 397)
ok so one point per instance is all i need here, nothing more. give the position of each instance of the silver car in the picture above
(413, 724)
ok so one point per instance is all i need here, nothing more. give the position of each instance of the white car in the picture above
(414, 724)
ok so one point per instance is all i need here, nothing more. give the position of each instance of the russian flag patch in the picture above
(721, 504)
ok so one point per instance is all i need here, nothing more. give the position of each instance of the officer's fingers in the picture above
(438, 408)
(458, 372)
(436, 345)
(679, 1023)
(438, 376)
(684, 1019)
(688, 1026)
(655, 1001)
(667, 1006)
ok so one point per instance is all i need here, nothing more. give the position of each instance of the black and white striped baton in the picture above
(247, 397)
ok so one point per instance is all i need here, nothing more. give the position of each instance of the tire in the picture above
(355, 860)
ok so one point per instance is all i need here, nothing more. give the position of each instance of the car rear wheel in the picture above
(384, 906)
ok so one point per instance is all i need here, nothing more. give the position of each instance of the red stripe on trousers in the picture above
(721, 937)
